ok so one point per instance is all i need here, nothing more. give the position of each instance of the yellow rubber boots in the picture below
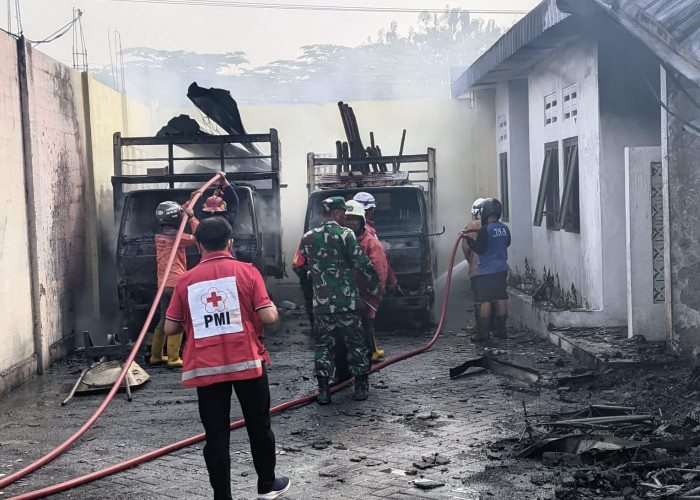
(378, 353)
(157, 347)
(173, 349)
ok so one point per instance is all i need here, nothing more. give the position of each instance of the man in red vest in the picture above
(222, 304)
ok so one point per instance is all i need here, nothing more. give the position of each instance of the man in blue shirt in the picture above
(491, 243)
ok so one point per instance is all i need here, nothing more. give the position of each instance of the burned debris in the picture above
(615, 451)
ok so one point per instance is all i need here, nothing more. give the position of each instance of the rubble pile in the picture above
(647, 445)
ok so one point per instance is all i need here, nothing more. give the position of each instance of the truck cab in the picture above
(137, 281)
(191, 161)
(403, 218)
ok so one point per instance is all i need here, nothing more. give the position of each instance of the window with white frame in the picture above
(502, 128)
(570, 102)
(551, 110)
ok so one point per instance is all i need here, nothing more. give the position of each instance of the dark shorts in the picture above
(474, 288)
(492, 286)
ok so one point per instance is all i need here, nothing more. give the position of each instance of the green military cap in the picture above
(333, 203)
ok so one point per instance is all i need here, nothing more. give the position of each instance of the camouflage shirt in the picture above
(331, 253)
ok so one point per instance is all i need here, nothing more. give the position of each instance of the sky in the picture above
(218, 26)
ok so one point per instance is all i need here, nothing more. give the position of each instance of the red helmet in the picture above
(214, 204)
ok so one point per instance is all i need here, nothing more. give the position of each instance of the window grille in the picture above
(502, 128)
(550, 108)
(570, 102)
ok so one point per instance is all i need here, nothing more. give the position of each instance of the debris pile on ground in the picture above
(647, 446)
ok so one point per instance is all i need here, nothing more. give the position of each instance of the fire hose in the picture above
(87, 478)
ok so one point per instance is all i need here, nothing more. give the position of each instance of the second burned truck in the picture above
(404, 219)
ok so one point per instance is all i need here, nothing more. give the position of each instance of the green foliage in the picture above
(392, 66)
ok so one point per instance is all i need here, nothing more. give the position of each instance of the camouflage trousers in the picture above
(332, 329)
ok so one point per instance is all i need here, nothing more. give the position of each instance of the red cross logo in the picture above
(214, 300)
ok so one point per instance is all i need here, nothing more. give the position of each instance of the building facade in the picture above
(583, 150)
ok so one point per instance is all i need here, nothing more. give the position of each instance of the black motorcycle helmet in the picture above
(489, 207)
(169, 213)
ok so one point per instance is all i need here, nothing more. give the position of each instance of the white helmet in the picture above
(476, 206)
(354, 207)
(366, 199)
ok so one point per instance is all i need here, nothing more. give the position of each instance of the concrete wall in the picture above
(56, 145)
(17, 360)
(680, 153)
(56, 164)
(512, 102)
(109, 112)
(629, 116)
(645, 317)
(576, 258)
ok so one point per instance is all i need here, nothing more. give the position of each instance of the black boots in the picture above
(482, 329)
(361, 387)
(324, 391)
(500, 326)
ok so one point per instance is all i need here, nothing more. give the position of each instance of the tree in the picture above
(393, 66)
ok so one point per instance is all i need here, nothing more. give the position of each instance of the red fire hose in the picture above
(50, 490)
(57, 451)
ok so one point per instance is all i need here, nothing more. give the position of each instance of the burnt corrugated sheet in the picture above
(669, 28)
(681, 18)
(536, 22)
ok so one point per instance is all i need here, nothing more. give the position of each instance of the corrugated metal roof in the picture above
(669, 28)
(543, 17)
(681, 18)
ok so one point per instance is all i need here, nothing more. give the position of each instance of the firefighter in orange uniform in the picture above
(169, 215)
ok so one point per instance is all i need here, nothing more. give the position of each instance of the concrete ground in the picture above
(417, 425)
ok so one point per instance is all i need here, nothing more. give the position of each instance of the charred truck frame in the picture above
(404, 217)
(190, 161)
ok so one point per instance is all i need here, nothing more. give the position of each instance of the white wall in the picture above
(110, 112)
(15, 288)
(645, 317)
(576, 258)
(512, 102)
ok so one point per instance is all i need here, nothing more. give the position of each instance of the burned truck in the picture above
(403, 218)
(191, 160)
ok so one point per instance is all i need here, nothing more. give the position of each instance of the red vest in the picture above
(217, 302)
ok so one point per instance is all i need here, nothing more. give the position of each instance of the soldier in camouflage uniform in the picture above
(331, 252)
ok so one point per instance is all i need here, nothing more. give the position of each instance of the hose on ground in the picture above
(127, 364)
(132, 462)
